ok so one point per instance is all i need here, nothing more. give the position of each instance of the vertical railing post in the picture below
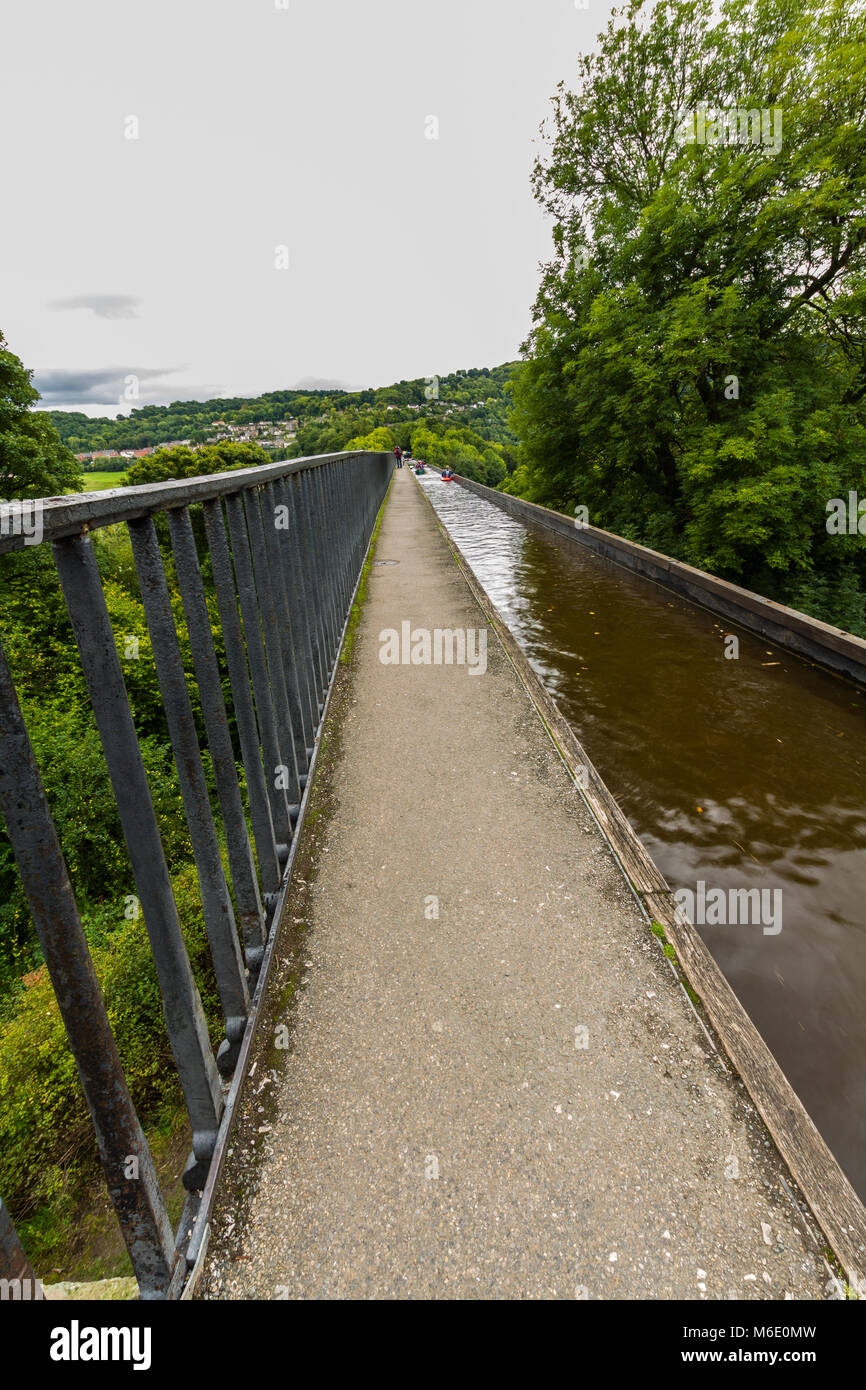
(219, 917)
(243, 870)
(271, 750)
(20, 1281)
(316, 523)
(285, 632)
(184, 1016)
(274, 652)
(296, 594)
(297, 486)
(242, 700)
(123, 1150)
(326, 561)
(339, 525)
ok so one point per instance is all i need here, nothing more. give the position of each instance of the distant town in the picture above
(268, 434)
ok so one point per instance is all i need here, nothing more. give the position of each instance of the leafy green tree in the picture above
(461, 449)
(696, 371)
(377, 440)
(181, 462)
(33, 461)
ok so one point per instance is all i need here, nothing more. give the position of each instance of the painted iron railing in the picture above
(285, 546)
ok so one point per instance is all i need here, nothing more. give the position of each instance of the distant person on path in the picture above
(398, 456)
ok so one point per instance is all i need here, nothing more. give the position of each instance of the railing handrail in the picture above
(73, 513)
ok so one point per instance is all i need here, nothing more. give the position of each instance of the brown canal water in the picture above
(737, 773)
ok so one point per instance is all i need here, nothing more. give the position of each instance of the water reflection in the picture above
(746, 773)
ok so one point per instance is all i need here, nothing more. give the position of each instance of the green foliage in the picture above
(461, 449)
(47, 1145)
(696, 372)
(71, 762)
(33, 460)
(182, 462)
(327, 420)
(376, 441)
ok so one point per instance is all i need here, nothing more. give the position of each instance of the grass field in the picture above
(95, 482)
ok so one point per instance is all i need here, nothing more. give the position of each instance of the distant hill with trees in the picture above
(470, 407)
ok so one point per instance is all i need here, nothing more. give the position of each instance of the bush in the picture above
(73, 769)
(47, 1144)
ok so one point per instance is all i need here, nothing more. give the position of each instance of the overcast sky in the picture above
(261, 126)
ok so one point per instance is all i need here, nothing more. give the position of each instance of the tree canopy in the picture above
(697, 364)
(33, 461)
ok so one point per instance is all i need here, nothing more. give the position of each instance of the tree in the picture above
(461, 449)
(181, 462)
(377, 441)
(33, 461)
(696, 371)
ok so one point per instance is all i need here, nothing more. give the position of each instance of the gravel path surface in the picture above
(494, 1087)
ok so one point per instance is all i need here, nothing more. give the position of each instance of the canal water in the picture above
(736, 773)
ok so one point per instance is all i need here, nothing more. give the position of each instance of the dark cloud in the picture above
(104, 306)
(70, 389)
(316, 383)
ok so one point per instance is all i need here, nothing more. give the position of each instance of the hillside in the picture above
(471, 407)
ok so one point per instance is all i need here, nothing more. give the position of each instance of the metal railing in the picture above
(286, 545)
